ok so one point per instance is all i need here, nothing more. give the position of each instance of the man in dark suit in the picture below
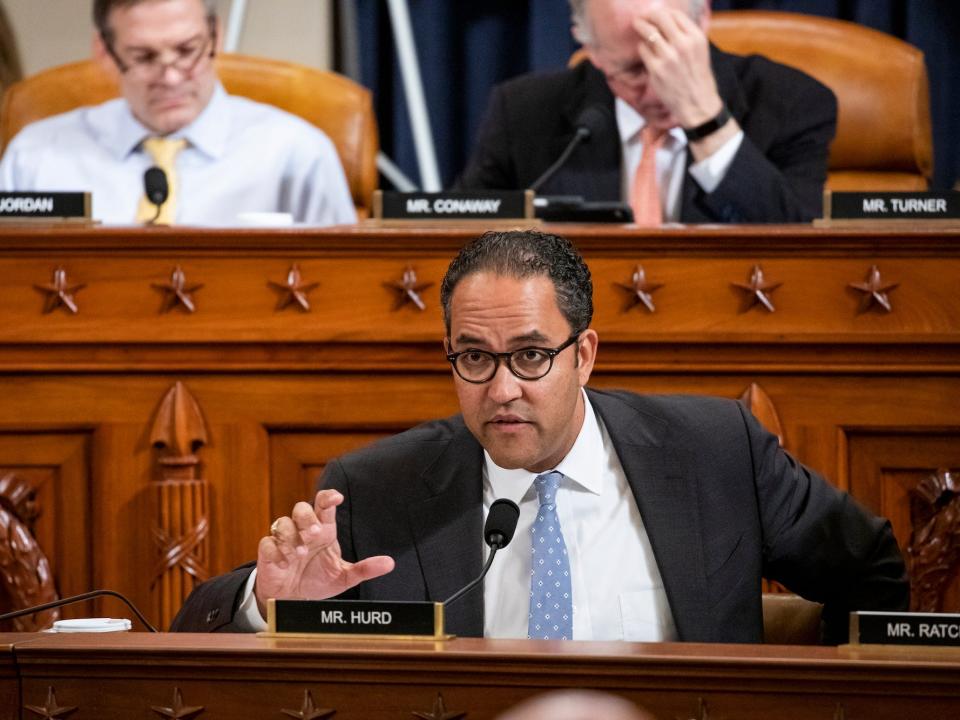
(665, 512)
(737, 139)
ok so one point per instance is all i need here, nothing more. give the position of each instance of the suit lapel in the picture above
(667, 499)
(447, 526)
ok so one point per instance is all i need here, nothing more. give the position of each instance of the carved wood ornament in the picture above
(874, 291)
(177, 292)
(178, 711)
(60, 293)
(408, 289)
(294, 290)
(439, 712)
(51, 709)
(758, 290)
(641, 291)
(182, 523)
(933, 554)
(309, 710)
(24, 569)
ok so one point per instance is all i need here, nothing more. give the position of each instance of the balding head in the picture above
(582, 22)
(576, 705)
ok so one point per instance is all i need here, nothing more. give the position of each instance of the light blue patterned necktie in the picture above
(551, 596)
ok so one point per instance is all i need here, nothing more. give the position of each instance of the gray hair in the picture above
(581, 24)
(103, 8)
(522, 254)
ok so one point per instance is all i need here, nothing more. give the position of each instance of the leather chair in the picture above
(335, 104)
(790, 620)
(884, 137)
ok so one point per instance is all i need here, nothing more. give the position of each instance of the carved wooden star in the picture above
(409, 289)
(177, 292)
(294, 290)
(640, 290)
(178, 711)
(51, 709)
(308, 711)
(439, 712)
(759, 289)
(874, 291)
(60, 292)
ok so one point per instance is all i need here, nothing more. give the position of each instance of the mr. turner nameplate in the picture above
(891, 206)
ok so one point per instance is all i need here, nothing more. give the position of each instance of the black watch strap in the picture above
(709, 127)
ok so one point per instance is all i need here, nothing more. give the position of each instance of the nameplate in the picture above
(892, 205)
(479, 205)
(895, 628)
(352, 618)
(44, 205)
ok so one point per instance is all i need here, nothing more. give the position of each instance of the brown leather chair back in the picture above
(884, 137)
(790, 620)
(335, 104)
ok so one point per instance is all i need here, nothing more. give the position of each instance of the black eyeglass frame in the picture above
(211, 38)
(551, 353)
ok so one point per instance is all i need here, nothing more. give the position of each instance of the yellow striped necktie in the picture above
(164, 152)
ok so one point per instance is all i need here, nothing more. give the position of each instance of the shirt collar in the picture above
(118, 130)
(630, 123)
(580, 464)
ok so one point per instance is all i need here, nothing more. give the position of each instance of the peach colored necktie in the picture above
(164, 152)
(645, 190)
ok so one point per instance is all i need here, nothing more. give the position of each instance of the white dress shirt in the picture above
(671, 161)
(241, 156)
(617, 590)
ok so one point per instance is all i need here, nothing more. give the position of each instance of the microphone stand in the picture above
(78, 598)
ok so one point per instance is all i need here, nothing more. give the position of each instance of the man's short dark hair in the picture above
(102, 9)
(523, 254)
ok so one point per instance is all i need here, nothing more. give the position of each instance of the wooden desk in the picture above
(241, 676)
(135, 500)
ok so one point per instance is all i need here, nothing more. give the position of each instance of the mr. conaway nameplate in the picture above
(891, 206)
(44, 205)
(893, 628)
(478, 205)
(352, 618)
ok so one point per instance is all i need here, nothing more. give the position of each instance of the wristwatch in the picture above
(709, 127)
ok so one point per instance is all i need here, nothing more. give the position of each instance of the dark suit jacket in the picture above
(722, 503)
(777, 175)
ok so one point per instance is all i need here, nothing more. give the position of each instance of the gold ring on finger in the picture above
(652, 38)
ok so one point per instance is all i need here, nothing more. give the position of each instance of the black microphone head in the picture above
(593, 120)
(501, 523)
(155, 185)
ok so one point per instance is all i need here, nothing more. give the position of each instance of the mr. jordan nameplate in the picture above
(45, 204)
(893, 628)
(356, 617)
(892, 205)
(474, 205)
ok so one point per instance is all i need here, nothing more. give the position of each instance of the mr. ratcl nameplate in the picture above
(356, 618)
(895, 628)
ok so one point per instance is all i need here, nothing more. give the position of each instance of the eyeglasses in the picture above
(187, 56)
(529, 363)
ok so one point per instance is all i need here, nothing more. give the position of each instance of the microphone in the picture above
(156, 188)
(592, 120)
(498, 532)
(87, 596)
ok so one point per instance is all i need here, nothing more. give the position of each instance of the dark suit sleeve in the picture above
(820, 543)
(779, 171)
(212, 605)
(491, 166)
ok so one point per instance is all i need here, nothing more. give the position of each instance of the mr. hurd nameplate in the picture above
(462, 205)
(356, 618)
(903, 628)
(48, 205)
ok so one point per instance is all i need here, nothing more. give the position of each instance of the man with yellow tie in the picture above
(222, 155)
(680, 130)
